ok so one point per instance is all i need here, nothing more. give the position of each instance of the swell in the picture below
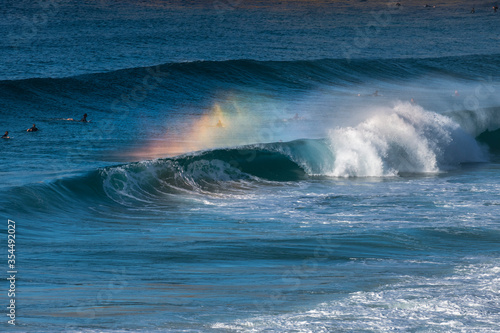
(196, 79)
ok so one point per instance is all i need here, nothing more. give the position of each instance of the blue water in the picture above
(353, 184)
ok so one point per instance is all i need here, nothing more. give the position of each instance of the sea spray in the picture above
(405, 139)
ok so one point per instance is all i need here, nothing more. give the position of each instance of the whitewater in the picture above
(251, 166)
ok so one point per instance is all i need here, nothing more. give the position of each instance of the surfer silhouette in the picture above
(32, 129)
(6, 135)
(84, 119)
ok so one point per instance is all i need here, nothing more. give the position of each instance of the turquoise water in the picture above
(318, 205)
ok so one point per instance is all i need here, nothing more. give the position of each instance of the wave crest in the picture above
(406, 139)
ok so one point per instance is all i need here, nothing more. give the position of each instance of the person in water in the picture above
(6, 135)
(219, 124)
(84, 119)
(32, 129)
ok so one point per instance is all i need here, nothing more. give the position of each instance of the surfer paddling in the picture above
(32, 129)
(83, 120)
(6, 135)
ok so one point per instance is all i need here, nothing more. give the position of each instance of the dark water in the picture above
(352, 183)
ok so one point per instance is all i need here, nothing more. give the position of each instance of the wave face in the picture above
(210, 172)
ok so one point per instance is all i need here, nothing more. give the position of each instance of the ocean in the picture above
(250, 166)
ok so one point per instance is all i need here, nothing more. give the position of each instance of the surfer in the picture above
(219, 124)
(473, 10)
(375, 93)
(32, 129)
(495, 8)
(6, 135)
(83, 120)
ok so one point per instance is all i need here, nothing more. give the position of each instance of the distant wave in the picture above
(192, 78)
